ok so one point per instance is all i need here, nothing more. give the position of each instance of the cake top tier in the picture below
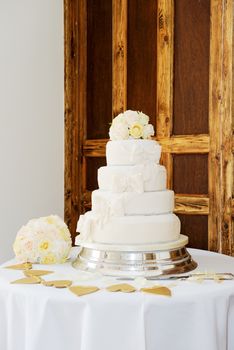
(131, 125)
(132, 152)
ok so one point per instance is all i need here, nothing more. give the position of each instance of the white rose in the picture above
(118, 119)
(148, 131)
(131, 117)
(143, 118)
(119, 131)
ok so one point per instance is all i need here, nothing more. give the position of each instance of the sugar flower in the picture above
(131, 125)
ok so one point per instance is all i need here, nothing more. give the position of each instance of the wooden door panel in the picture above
(99, 68)
(190, 173)
(141, 56)
(172, 59)
(182, 113)
(191, 67)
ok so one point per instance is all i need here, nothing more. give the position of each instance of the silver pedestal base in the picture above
(134, 263)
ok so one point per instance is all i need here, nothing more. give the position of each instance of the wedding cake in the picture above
(132, 207)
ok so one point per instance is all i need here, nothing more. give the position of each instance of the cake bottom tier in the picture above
(129, 230)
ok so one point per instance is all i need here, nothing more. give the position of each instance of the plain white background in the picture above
(31, 114)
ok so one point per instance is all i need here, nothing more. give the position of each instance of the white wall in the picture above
(31, 114)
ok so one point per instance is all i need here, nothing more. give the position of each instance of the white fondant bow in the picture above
(91, 220)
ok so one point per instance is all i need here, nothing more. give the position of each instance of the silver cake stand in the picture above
(130, 261)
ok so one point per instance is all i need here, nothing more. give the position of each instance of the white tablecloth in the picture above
(197, 316)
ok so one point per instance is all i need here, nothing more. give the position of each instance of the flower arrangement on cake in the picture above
(131, 125)
(45, 240)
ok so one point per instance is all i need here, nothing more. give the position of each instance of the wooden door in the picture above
(172, 59)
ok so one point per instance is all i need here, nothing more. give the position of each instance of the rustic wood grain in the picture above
(167, 160)
(190, 111)
(95, 148)
(164, 101)
(75, 42)
(86, 199)
(82, 68)
(215, 219)
(176, 144)
(220, 123)
(185, 144)
(191, 204)
(165, 49)
(227, 127)
(68, 92)
(119, 56)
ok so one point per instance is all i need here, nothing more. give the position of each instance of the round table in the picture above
(197, 316)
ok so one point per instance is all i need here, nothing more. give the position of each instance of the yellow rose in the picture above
(44, 246)
(136, 130)
(49, 259)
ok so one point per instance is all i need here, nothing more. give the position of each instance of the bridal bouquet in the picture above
(45, 240)
(131, 125)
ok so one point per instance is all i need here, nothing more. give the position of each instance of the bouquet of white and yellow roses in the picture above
(45, 240)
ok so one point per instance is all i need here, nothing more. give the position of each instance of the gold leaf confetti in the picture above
(23, 266)
(57, 283)
(83, 290)
(28, 280)
(124, 287)
(30, 273)
(159, 290)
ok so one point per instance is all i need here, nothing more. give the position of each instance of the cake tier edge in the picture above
(181, 242)
(131, 203)
(132, 178)
(136, 229)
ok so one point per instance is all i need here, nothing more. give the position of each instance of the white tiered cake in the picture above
(132, 209)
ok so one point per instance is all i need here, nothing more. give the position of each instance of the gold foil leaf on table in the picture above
(83, 290)
(30, 273)
(159, 290)
(57, 283)
(23, 266)
(124, 287)
(28, 280)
